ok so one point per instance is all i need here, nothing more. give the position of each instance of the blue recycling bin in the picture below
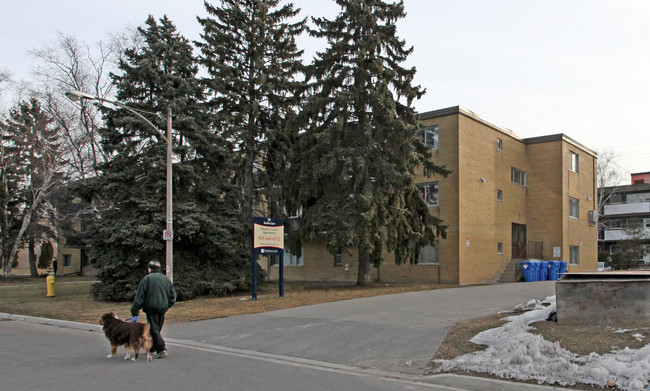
(527, 270)
(563, 265)
(543, 270)
(535, 265)
(553, 270)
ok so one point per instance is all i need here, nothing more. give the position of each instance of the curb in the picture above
(478, 383)
(52, 322)
(447, 380)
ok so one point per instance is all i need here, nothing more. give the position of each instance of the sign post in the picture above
(268, 239)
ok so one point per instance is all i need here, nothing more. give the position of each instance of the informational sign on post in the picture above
(268, 239)
(268, 233)
(557, 252)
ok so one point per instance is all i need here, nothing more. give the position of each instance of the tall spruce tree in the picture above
(31, 166)
(353, 173)
(250, 53)
(208, 245)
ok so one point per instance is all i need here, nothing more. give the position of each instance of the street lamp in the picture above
(168, 234)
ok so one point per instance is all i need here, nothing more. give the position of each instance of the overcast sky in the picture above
(578, 67)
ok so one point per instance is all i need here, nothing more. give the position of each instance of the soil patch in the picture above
(581, 340)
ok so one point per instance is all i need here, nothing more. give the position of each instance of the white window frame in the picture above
(615, 249)
(518, 177)
(430, 193)
(634, 222)
(615, 224)
(574, 162)
(615, 199)
(574, 208)
(430, 255)
(500, 248)
(429, 136)
(574, 255)
(289, 259)
(499, 195)
(338, 259)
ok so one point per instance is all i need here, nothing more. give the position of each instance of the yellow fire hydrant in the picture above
(49, 281)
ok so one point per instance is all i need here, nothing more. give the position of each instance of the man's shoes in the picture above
(162, 354)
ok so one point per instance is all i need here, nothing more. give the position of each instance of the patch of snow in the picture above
(514, 353)
(621, 331)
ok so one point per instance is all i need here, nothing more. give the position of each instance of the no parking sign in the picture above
(168, 234)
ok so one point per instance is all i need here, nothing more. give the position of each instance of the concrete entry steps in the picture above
(511, 273)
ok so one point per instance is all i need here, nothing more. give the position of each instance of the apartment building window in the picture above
(429, 136)
(518, 177)
(499, 248)
(574, 255)
(633, 198)
(634, 223)
(616, 199)
(499, 144)
(615, 249)
(429, 255)
(573, 161)
(646, 223)
(499, 195)
(429, 193)
(289, 259)
(615, 224)
(67, 260)
(574, 208)
(338, 259)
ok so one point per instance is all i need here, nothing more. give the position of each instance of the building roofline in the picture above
(454, 110)
(640, 173)
(626, 188)
(458, 110)
(558, 137)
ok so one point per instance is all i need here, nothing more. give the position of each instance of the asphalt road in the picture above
(380, 343)
(395, 333)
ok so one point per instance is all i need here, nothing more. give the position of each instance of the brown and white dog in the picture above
(130, 334)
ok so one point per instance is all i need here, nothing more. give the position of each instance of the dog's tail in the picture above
(146, 337)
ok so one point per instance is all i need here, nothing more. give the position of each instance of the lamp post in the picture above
(168, 234)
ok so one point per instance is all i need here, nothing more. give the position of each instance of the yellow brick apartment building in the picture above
(508, 198)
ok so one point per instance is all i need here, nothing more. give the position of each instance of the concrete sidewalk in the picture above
(393, 336)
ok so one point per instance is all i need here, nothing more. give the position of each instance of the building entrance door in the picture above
(518, 241)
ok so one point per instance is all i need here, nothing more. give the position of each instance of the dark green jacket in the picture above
(155, 294)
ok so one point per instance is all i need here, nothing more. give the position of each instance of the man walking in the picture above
(155, 296)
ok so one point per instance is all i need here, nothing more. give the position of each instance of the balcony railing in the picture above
(627, 209)
(621, 234)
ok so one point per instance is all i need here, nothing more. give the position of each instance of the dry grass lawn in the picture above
(27, 296)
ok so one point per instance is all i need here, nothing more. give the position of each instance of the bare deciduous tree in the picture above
(73, 65)
(609, 176)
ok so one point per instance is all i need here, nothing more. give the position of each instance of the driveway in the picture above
(395, 333)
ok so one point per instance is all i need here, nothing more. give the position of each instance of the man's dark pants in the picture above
(156, 321)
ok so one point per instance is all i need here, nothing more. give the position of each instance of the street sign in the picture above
(168, 234)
